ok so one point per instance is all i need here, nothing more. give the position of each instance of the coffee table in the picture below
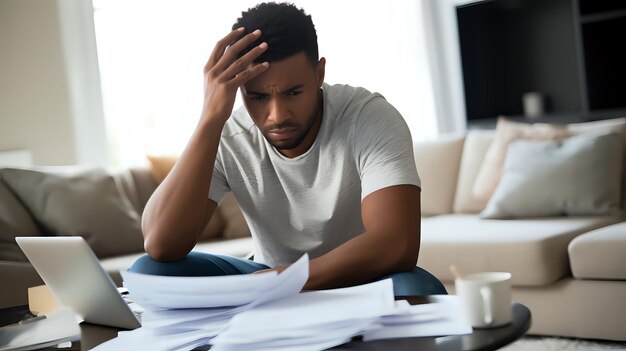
(479, 339)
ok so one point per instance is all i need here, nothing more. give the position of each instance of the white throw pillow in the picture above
(580, 175)
(507, 132)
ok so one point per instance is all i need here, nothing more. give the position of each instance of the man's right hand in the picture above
(224, 73)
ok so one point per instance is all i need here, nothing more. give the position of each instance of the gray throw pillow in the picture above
(14, 221)
(89, 204)
(580, 175)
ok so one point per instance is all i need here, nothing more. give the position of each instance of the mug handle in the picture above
(487, 296)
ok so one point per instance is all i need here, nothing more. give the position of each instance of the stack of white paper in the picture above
(309, 321)
(267, 312)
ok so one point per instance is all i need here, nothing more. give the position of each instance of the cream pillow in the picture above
(160, 166)
(580, 175)
(508, 131)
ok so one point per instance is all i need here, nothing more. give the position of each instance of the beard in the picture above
(298, 135)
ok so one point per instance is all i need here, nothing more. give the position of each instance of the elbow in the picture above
(152, 249)
(158, 250)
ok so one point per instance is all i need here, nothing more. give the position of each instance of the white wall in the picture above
(152, 78)
(445, 63)
(46, 102)
(50, 99)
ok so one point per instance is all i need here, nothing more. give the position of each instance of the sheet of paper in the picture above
(440, 317)
(288, 283)
(165, 292)
(145, 339)
(328, 317)
(162, 292)
(59, 326)
(317, 308)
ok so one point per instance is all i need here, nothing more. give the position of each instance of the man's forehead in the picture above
(284, 74)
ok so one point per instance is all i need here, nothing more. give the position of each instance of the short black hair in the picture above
(287, 30)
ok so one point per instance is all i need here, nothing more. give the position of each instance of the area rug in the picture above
(542, 343)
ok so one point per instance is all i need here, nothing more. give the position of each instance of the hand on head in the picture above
(224, 72)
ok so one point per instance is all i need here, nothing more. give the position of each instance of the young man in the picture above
(326, 170)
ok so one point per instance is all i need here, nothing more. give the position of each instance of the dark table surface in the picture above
(479, 339)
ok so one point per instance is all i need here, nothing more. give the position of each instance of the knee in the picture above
(143, 265)
(147, 265)
(417, 282)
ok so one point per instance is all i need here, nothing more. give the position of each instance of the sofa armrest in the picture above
(599, 254)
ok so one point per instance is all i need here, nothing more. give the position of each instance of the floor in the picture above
(541, 343)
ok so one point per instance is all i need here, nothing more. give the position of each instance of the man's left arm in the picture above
(390, 244)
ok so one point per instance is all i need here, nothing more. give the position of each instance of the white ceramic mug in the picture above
(485, 298)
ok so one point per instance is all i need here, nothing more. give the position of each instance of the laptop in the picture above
(73, 273)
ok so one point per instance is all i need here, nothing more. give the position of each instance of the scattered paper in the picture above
(59, 326)
(440, 317)
(324, 319)
(268, 311)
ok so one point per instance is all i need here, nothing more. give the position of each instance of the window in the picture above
(151, 55)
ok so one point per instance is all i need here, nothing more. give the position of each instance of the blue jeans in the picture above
(417, 282)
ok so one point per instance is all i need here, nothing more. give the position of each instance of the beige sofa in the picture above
(569, 270)
(102, 206)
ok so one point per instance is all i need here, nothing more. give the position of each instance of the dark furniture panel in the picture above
(569, 51)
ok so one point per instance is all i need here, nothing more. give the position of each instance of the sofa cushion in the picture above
(600, 254)
(581, 175)
(14, 221)
(534, 251)
(506, 132)
(438, 165)
(138, 185)
(476, 144)
(85, 203)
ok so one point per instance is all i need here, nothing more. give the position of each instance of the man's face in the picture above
(284, 103)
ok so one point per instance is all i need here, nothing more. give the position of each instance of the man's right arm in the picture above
(180, 208)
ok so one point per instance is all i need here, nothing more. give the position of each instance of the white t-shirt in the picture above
(312, 203)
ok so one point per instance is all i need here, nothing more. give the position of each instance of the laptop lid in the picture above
(73, 273)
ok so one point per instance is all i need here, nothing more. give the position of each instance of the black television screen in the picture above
(512, 47)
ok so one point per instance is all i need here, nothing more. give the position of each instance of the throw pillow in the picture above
(14, 221)
(89, 204)
(160, 167)
(580, 175)
(506, 132)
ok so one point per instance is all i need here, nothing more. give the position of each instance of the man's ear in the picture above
(320, 70)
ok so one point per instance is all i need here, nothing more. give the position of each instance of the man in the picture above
(326, 170)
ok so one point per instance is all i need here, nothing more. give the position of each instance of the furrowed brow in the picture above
(299, 86)
(248, 92)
